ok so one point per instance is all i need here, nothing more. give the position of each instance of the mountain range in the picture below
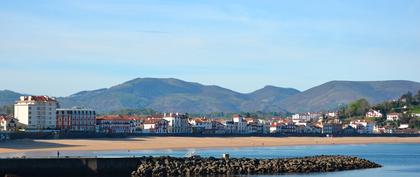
(174, 95)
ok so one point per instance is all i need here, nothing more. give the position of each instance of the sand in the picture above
(153, 143)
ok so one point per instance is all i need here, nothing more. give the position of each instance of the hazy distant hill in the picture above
(159, 94)
(171, 95)
(331, 94)
(265, 99)
(8, 97)
(177, 95)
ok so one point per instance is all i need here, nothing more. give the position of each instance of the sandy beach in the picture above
(153, 143)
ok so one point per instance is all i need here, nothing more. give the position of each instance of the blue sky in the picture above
(61, 47)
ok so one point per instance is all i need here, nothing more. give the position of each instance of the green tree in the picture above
(407, 98)
(358, 108)
(7, 109)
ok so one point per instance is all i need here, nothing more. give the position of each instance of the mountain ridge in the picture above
(171, 94)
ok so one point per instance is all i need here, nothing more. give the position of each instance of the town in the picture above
(44, 114)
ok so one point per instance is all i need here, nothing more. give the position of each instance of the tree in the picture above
(358, 108)
(7, 109)
(417, 97)
(407, 98)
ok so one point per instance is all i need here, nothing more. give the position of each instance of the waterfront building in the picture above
(76, 119)
(239, 124)
(363, 126)
(201, 125)
(8, 123)
(229, 127)
(331, 128)
(155, 125)
(178, 123)
(36, 112)
(285, 127)
(116, 124)
(308, 129)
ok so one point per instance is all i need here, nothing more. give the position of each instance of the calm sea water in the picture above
(401, 160)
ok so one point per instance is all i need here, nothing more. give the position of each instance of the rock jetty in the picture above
(198, 166)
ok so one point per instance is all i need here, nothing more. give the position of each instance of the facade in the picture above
(76, 119)
(155, 125)
(283, 127)
(309, 116)
(201, 125)
(178, 123)
(115, 124)
(8, 123)
(37, 112)
(239, 124)
(392, 117)
(331, 128)
(363, 127)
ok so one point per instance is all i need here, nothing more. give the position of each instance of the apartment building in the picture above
(37, 112)
(76, 119)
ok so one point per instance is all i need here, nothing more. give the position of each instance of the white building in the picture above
(37, 112)
(309, 116)
(392, 117)
(155, 125)
(116, 124)
(178, 123)
(239, 124)
(363, 127)
(332, 114)
(76, 119)
(374, 113)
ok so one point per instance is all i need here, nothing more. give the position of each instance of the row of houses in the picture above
(43, 113)
(393, 116)
(176, 123)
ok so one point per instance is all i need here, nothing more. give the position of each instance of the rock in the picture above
(198, 166)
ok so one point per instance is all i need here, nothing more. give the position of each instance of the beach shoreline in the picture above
(164, 143)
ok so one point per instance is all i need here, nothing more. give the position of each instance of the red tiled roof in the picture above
(153, 120)
(117, 117)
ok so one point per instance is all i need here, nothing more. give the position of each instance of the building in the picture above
(8, 123)
(374, 113)
(332, 114)
(285, 127)
(76, 119)
(332, 128)
(308, 129)
(116, 124)
(201, 125)
(37, 112)
(239, 124)
(155, 125)
(349, 130)
(178, 123)
(393, 116)
(309, 116)
(363, 127)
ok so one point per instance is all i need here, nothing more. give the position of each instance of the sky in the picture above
(60, 47)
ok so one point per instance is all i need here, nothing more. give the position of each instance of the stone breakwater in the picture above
(198, 166)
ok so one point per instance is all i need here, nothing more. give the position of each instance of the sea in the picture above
(398, 160)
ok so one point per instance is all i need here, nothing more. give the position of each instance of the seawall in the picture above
(68, 166)
(172, 166)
